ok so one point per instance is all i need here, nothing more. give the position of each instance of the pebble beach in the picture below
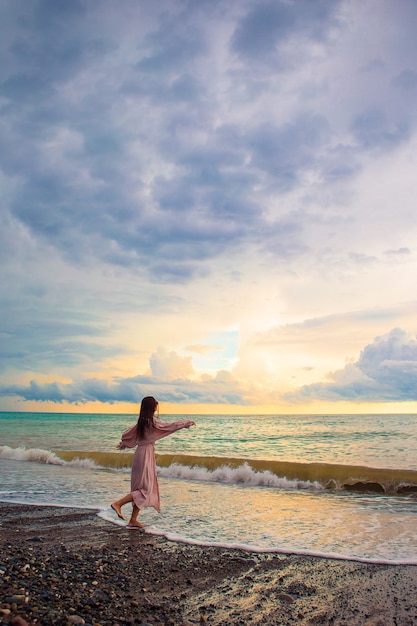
(63, 566)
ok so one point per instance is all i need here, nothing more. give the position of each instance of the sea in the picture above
(336, 486)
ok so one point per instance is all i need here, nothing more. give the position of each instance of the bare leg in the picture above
(117, 506)
(133, 522)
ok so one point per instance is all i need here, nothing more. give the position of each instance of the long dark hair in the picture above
(146, 415)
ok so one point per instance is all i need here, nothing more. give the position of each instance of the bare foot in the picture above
(135, 525)
(117, 509)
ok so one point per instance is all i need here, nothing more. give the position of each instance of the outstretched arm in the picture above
(129, 438)
(163, 429)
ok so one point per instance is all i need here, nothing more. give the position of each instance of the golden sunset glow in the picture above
(212, 205)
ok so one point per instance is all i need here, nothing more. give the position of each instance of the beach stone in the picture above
(5, 611)
(53, 615)
(285, 597)
(76, 619)
(17, 599)
(19, 621)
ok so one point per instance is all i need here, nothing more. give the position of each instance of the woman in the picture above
(144, 489)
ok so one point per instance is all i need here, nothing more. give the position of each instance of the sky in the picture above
(210, 202)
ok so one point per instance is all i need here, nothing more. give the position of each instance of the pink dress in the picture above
(144, 482)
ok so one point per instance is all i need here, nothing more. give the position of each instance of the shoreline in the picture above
(68, 566)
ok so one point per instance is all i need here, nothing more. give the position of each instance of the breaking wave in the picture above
(250, 472)
(46, 457)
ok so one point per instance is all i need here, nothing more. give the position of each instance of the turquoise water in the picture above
(374, 440)
(257, 510)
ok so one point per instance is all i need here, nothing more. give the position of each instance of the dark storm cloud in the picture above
(83, 122)
(78, 137)
(157, 142)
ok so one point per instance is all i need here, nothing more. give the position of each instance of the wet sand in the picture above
(62, 566)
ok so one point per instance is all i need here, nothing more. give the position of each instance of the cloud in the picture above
(222, 388)
(320, 325)
(170, 365)
(265, 29)
(385, 371)
(406, 80)
(400, 252)
(287, 151)
(125, 159)
(372, 129)
(39, 344)
(86, 391)
(170, 170)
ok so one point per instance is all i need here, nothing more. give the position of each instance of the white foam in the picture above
(284, 550)
(244, 474)
(107, 514)
(38, 455)
(55, 505)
